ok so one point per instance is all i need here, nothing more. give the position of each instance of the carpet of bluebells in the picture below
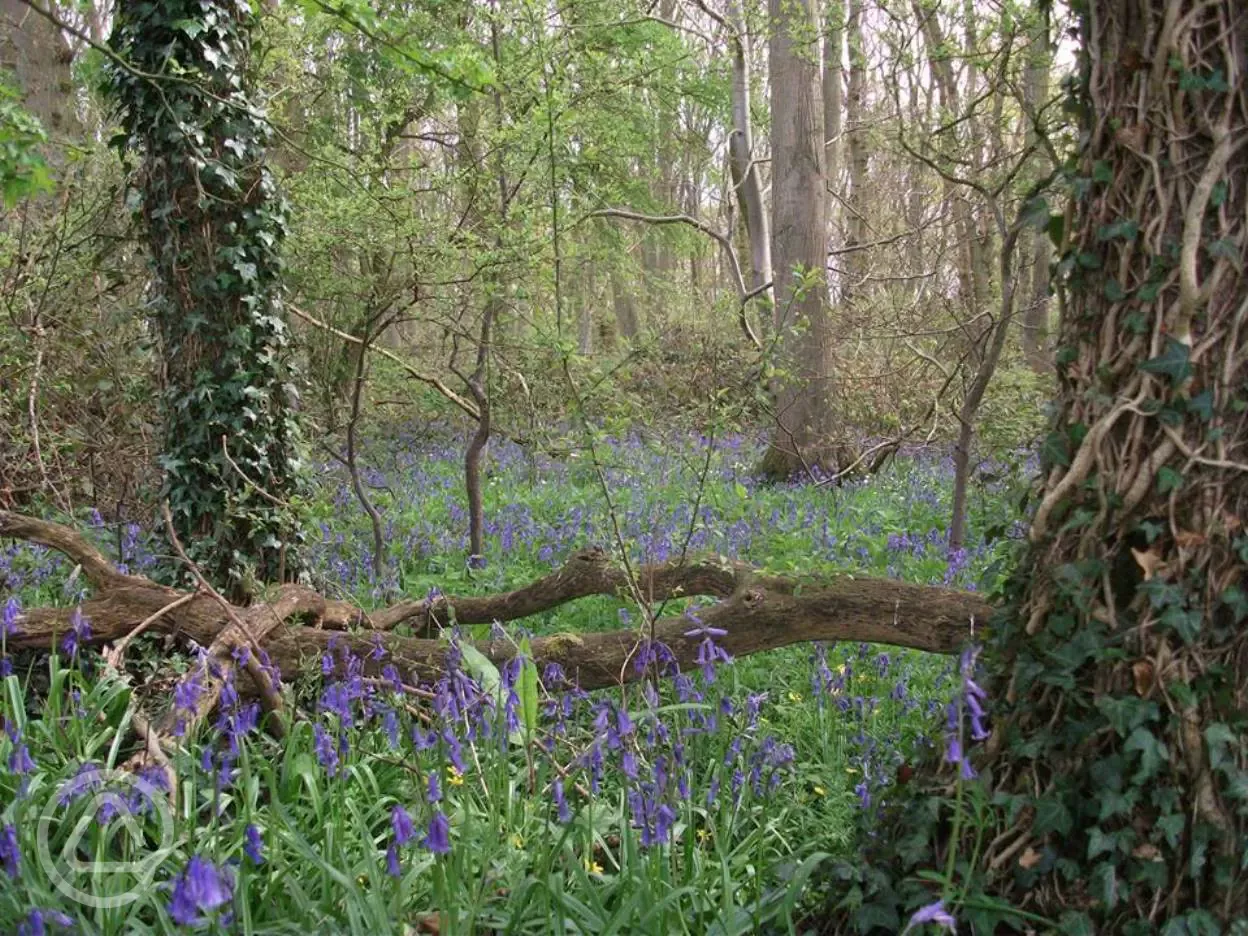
(496, 801)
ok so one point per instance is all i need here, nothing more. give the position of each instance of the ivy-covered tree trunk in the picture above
(1113, 790)
(1123, 727)
(1119, 756)
(215, 223)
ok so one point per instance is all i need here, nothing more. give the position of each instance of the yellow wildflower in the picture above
(456, 778)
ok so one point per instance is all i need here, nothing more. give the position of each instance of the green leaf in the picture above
(1173, 362)
(1103, 883)
(527, 689)
(1168, 480)
(481, 668)
(1052, 816)
(1114, 292)
(1122, 229)
(1153, 752)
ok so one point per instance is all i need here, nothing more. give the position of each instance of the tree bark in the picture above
(1121, 661)
(802, 439)
(746, 176)
(758, 612)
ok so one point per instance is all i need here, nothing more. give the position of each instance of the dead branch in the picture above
(757, 612)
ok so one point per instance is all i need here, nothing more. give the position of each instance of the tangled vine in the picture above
(1112, 796)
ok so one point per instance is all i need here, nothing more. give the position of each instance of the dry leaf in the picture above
(1029, 858)
(1148, 560)
(1188, 539)
(1145, 677)
(1146, 851)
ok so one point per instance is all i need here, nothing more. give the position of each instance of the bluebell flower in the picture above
(433, 793)
(438, 838)
(401, 822)
(561, 803)
(20, 761)
(79, 633)
(10, 851)
(934, 913)
(253, 844)
(393, 867)
(326, 750)
(201, 888)
(86, 779)
(8, 619)
(36, 922)
(390, 726)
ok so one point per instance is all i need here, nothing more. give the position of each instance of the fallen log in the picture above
(295, 624)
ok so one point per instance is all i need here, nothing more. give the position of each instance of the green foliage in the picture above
(215, 224)
(23, 171)
(1011, 415)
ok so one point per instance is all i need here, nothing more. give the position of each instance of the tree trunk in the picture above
(756, 612)
(1117, 760)
(215, 222)
(624, 304)
(802, 439)
(858, 196)
(1035, 317)
(746, 177)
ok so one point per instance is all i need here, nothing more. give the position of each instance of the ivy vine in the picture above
(215, 222)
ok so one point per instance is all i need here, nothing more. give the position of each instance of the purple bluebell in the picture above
(561, 803)
(326, 750)
(253, 844)
(201, 888)
(79, 632)
(10, 851)
(934, 913)
(393, 868)
(20, 761)
(8, 619)
(36, 922)
(401, 822)
(438, 838)
(433, 793)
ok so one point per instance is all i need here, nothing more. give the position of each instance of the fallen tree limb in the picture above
(756, 612)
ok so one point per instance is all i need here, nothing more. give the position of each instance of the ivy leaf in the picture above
(189, 26)
(1036, 213)
(1123, 229)
(1220, 739)
(1152, 751)
(1174, 362)
(1052, 816)
(1104, 884)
